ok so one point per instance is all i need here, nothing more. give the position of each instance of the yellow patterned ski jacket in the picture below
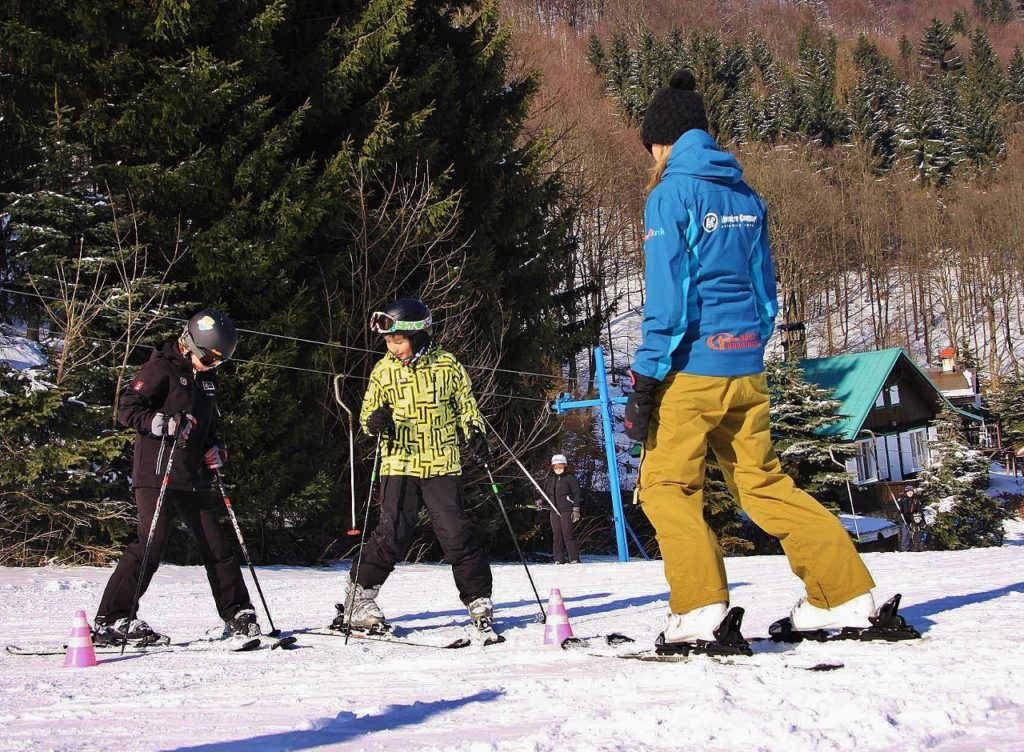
(432, 400)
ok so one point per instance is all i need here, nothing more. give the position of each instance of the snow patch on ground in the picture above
(960, 688)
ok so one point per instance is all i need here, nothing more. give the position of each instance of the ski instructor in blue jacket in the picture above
(699, 380)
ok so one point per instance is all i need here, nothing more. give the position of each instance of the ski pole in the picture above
(515, 541)
(522, 467)
(849, 493)
(152, 525)
(351, 452)
(274, 631)
(362, 537)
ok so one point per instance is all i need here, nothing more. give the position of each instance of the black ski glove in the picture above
(479, 447)
(381, 421)
(639, 406)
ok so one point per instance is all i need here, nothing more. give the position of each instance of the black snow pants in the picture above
(401, 497)
(222, 568)
(563, 540)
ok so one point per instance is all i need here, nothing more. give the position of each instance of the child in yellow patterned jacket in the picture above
(419, 403)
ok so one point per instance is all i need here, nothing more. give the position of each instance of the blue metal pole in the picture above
(613, 461)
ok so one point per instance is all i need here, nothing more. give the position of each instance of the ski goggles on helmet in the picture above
(209, 358)
(385, 323)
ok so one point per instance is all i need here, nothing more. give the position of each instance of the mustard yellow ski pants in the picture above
(731, 414)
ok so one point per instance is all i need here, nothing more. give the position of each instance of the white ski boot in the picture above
(708, 630)
(366, 615)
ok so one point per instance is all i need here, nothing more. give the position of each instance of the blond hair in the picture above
(659, 169)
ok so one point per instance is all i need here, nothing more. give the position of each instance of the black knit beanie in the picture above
(673, 111)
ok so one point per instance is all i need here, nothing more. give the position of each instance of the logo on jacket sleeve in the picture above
(652, 233)
(138, 384)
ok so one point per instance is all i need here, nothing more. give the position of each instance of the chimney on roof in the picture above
(794, 340)
(948, 360)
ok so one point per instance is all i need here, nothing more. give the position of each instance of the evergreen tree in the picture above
(983, 73)
(925, 138)
(800, 411)
(906, 49)
(595, 55)
(816, 73)
(959, 23)
(1007, 404)
(956, 478)
(1015, 77)
(871, 105)
(938, 50)
(320, 158)
(618, 67)
(63, 483)
(676, 52)
(647, 73)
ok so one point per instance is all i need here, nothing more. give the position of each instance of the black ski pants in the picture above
(563, 540)
(222, 568)
(401, 497)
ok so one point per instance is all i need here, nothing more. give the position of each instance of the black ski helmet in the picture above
(408, 316)
(210, 336)
(404, 316)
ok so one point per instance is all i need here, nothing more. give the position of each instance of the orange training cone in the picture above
(556, 628)
(80, 650)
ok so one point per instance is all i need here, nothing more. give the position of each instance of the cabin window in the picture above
(919, 449)
(866, 468)
(880, 402)
(894, 394)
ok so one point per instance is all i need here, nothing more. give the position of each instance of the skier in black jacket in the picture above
(563, 490)
(177, 384)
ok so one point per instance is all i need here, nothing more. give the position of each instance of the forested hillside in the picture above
(885, 137)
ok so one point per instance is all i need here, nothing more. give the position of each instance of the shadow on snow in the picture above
(344, 727)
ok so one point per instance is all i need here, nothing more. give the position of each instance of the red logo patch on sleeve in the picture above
(138, 384)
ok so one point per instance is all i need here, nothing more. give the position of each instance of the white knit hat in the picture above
(559, 459)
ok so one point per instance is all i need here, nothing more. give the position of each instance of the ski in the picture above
(195, 646)
(390, 638)
(652, 656)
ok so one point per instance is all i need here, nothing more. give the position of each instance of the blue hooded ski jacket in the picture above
(711, 295)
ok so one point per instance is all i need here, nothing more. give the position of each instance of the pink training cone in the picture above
(556, 628)
(80, 652)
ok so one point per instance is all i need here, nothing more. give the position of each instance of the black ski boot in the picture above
(886, 624)
(111, 632)
(242, 624)
(728, 640)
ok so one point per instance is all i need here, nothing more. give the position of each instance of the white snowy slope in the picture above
(960, 688)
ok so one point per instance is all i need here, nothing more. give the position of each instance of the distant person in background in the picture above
(563, 490)
(912, 521)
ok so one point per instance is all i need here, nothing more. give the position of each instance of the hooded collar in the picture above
(695, 153)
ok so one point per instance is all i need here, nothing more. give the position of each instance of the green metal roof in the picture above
(856, 379)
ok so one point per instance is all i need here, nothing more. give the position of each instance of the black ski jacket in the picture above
(167, 384)
(564, 491)
(912, 510)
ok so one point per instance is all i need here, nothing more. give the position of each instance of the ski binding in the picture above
(886, 625)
